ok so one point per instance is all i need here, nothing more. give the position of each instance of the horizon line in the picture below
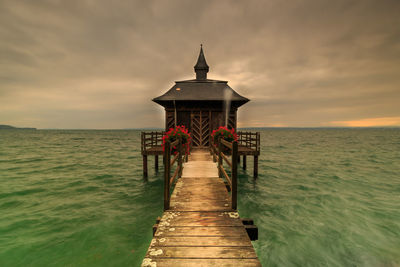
(249, 127)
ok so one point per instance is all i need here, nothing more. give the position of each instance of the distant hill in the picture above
(8, 127)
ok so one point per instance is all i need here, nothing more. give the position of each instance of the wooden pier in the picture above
(200, 225)
(248, 145)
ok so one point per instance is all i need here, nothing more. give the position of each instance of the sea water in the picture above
(324, 197)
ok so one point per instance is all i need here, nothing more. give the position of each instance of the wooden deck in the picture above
(248, 145)
(200, 228)
(243, 150)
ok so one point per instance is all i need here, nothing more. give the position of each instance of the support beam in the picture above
(252, 232)
(255, 167)
(145, 170)
(244, 162)
(156, 163)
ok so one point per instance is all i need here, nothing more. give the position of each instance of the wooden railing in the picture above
(249, 140)
(151, 139)
(170, 181)
(220, 156)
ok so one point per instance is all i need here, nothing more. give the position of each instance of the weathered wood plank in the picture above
(205, 262)
(202, 252)
(199, 241)
(200, 169)
(183, 197)
(200, 219)
(164, 231)
(202, 206)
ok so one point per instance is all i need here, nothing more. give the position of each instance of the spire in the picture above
(201, 67)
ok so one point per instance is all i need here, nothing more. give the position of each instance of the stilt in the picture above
(145, 172)
(244, 162)
(255, 167)
(239, 159)
(156, 163)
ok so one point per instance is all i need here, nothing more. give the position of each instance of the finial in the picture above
(201, 67)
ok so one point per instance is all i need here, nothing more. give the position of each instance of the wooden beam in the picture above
(255, 168)
(145, 169)
(252, 232)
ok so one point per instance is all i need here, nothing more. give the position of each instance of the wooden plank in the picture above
(202, 252)
(233, 231)
(203, 180)
(203, 206)
(201, 241)
(200, 219)
(185, 197)
(211, 193)
(205, 262)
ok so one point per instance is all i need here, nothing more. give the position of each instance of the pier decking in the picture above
(200, 225)
(248, 145)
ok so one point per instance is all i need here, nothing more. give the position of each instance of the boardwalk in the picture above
(200, 228)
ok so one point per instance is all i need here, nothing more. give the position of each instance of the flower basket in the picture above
(173, 134)
(226, 134)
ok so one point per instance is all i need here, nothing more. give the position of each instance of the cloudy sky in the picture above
(97, 64)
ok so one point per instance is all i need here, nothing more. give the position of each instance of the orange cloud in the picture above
(369, 122)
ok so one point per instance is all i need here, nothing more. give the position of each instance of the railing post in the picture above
(167, 166)
(180, 156)
(234, 174)
(219, 157)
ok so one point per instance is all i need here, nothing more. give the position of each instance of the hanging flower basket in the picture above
(226, 134)
(173, 134)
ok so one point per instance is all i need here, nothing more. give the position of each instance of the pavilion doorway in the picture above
(200, 128)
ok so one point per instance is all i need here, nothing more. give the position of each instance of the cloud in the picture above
(72, 64)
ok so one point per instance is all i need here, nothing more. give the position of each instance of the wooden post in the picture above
(213, 153)
(255, 174)
(167, 166)
(180, 165)
(234, 174)
(141, 142)
(156, 163)
(244, 162)
(219, 157)
(145, 171)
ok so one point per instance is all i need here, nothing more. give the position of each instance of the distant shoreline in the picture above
(9, 127)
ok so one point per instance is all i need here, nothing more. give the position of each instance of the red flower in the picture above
(174, 134)
(225, 133)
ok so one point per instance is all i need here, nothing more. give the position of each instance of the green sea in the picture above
(324, 197)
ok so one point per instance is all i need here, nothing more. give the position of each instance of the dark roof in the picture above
(200, 90)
